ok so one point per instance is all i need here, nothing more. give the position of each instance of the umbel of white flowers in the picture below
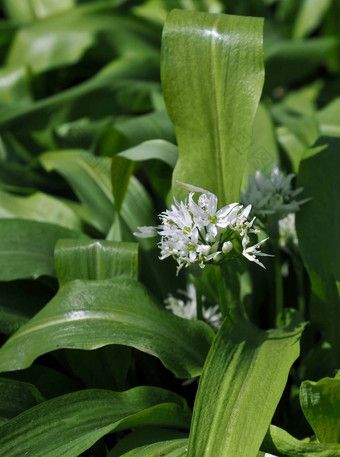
(272, 196)
(199, 233)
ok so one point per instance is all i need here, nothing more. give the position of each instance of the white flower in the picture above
(272, 196)
(201, 233)
(187, 309)
(287, 231)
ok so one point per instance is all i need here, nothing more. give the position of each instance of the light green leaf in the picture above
(14, 86)
(92, 314)
(242, 382)
(65, 427)
(26, 248)
(329, 119)
(282, 444)
(38, 207)
(309, 16)
(153, 149)
(29, 10)
(63, 39)
(16, 397)
(320, 402)
(95, 260)
(213, 111)
(173, 448)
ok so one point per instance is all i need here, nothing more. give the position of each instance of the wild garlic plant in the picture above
(200, 233)
(274, 204)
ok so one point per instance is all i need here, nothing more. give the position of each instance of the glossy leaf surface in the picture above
(320, 402)
(64, 425)
(95, 260)
(92, 314)
(213, 111)
(242, 382)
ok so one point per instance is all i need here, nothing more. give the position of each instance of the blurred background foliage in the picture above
(86, 144)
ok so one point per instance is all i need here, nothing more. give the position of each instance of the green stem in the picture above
(228, 286)
(278, 284)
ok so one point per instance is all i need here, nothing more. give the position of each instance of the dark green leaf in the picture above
(16, 397)
(19, 301)
(145, 436)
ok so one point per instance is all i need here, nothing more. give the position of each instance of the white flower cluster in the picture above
(200, 233)
(272, 196)
(187, 309)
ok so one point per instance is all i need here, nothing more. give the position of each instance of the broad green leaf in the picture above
(143, 128)
(63, 40)
(320, 402)
(309, 16)
(317, 222)
(50, 382)
(38, 207)
(68, 425)
(14, 86)
(89, 177)
(153, 149)
(212, 109)
(26, 248)
(319, 236)
(329, 119)
(282, 444)
(173, 448)
(19, 301)
(92, 314)
(95, 260)
(105, 367)
(16, 397)
(124, 86)
(145, 436)
(29, 10)
(121, 172)
(242, 382)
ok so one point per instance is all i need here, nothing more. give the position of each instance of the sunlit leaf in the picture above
(213, 111)
(92, 314)
(65, 425)
(320, 402)
(242, 382)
